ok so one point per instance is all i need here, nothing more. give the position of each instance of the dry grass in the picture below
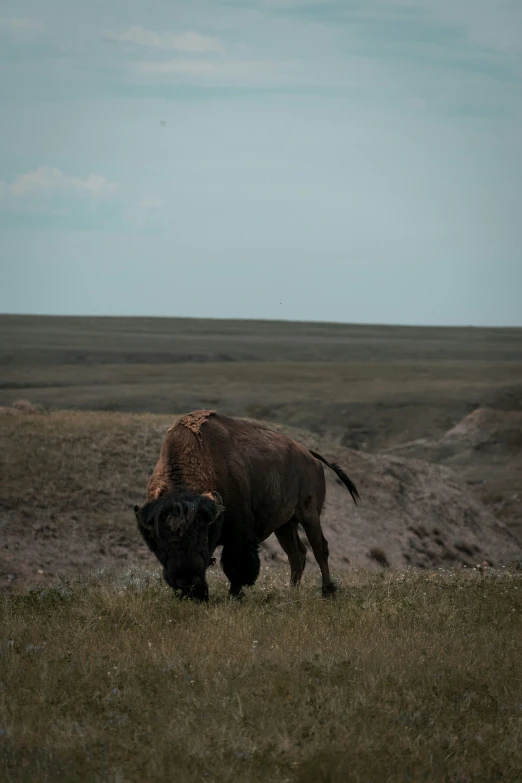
(404, 677)
(68, 482)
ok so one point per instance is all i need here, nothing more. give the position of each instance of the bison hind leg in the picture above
(312, 527)
(288, 537)
(241, 564)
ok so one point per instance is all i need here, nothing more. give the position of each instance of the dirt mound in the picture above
(508, 398)
(484, 433)
(489, 431)
(69, 481)
(485, 449)
(21, 407)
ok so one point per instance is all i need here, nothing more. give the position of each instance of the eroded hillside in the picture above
(69, 481)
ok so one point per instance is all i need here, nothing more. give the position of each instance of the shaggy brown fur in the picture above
(262, 481)
(193, 421)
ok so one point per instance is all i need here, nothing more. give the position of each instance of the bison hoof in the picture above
(329, 590)
(236, 592)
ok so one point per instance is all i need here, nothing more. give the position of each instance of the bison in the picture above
(231, 482)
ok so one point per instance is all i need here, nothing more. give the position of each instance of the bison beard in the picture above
(182, 529)
(270, 484)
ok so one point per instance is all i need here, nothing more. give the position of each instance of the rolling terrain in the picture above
(369, 385)
(101, 392)
(71, 479)
(411, 673)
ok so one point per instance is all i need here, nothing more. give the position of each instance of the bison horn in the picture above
(217, 499)
(141, 519)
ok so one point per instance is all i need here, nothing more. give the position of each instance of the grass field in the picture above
(41, 340)
(404, 677)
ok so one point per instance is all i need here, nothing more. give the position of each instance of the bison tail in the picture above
(348, 483)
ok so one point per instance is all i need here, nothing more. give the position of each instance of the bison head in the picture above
(182, 530)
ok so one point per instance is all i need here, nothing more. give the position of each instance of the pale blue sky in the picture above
(346, 161)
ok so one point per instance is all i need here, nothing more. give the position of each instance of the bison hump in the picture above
(194, 421)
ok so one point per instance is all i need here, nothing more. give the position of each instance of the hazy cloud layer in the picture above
(185, 42)
(46, 180)
(49, 192)
(17, 25)
(347, 160)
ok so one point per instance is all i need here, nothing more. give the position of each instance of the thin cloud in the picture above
(152, 203)
(21, 25)
(481, 23)
(47, 180)
(492, 25)
(185, 42)
(50, 193)
(225, 72)
(197, 67)
(145, 214)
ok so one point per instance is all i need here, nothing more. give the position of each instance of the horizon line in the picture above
(262, 320)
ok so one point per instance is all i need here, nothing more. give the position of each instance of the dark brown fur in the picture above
(252, 481)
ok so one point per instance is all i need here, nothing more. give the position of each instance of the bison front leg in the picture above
(319, 544)
(241, 564)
